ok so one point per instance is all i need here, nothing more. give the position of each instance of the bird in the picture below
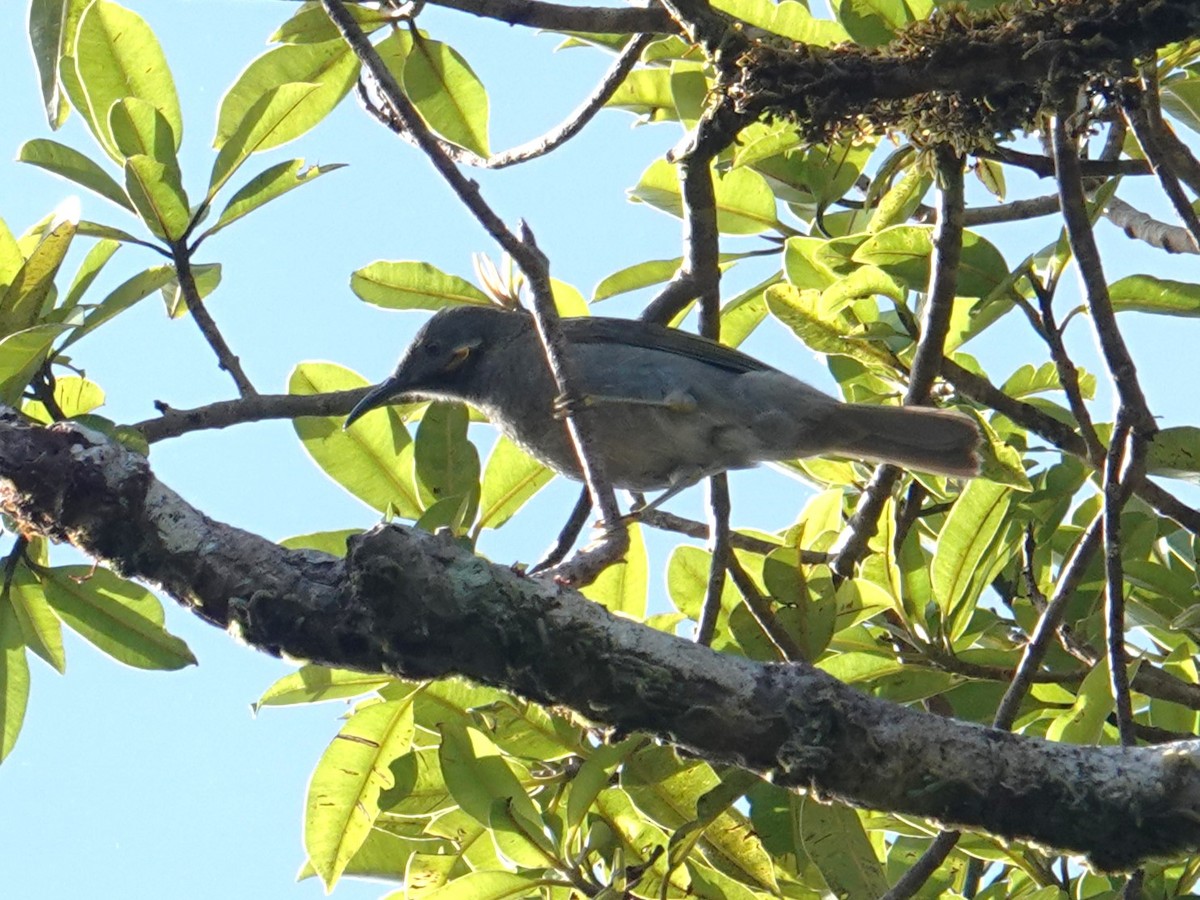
(669, 408)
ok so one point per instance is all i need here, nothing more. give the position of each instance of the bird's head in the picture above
(443, 360)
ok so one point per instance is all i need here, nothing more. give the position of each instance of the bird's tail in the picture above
(913, 437)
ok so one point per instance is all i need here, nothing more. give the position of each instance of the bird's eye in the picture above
(458, 357)
(433, 349)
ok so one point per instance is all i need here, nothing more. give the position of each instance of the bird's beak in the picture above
(374, 398)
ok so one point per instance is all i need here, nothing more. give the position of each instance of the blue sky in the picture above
(141, 785)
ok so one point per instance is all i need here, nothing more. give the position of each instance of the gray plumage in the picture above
(669, 407)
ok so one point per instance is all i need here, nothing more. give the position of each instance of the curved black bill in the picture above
(376, 397)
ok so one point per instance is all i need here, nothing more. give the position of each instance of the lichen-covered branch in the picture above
(414, 604)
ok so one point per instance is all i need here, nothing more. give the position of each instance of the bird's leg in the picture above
(676, 401)
(681, 482)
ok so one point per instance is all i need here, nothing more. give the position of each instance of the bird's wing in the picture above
(631, 332)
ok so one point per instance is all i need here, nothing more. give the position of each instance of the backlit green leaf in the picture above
(413, 285)
(372, 459)
(448, 94)
(118, 56)
(510, 479)
(119, 617)
(14, 678)
(343, 795)
(74, 166)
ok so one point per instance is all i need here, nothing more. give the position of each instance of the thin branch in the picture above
(760, 608)
(1043, 166)
(552, 139)
(721, 552)
(256, 408)
(533, 263)
(1142, 227)
(1091, 274)
(226, 360)
(1146, 123)
(1122, 463)
(1068, 375)
(922, 870)
(562, 17)
(665, 521)
(1069, 578)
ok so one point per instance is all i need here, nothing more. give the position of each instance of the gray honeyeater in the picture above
(668, 407)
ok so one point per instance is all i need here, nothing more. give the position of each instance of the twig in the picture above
(1125, 452)
(760, 608)
(1068, 375)
(551, 140)
(665, 521)
(1043, 166)
(226, 360)
(1146, 123)
(256, 408)
(1091, 274)
(701, 25)
(1069, 577)
(721, 553)
(561, 17)
(1142, 227)
(567, 536)
(922, 870)
(533, 263)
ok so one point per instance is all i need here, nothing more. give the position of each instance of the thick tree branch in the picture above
(409, 603)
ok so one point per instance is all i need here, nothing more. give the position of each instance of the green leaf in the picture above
(636, 277)
(48, 19)
(594, 775)
(1181, 98)
(311, 25)
(22, 305)
(510, 478)
(477, 774)
(622, 588)
(413, 285)
(446, 462)
(331, 542)
(122, 297)
(522, 843)
(158, 197)
(39, 626)
(21, 355)
(448, 94)
(11, 258)
(834, 839)
(266, 186)
(646, 92)
(1083, 723)
(745, 204)
(1145, 293)
(904, 251)
(370, 459)
(974, 523)
(72, 165)
(486, 885)
(328, 68)
(420, 790)
(118, 56)
(343, 795)
(207, 276)
(14, 678)
(75, 397)
(119, 617)
(1175, 453)
(138, 129)
(872, 22)
(89, 270)
(312, 683)
(787, 18)
(283, 113)
(799, 311)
